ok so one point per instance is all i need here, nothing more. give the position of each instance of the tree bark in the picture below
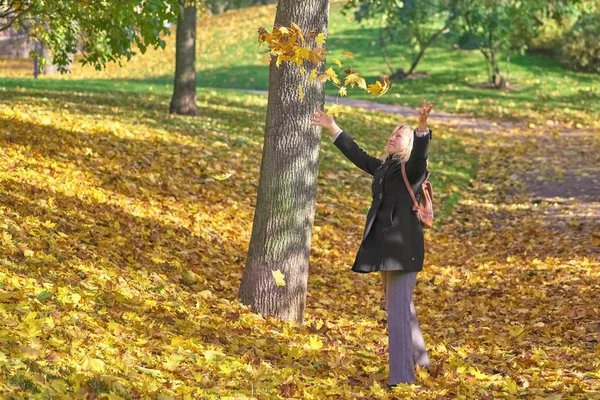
(285, 204)
(184, 93)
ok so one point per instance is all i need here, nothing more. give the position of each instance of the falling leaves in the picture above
(379, 88)
(329, 74)
(279, 277)
(334, 109)
(353, 79)
(289, 45)
(320, 39)
(121, 256)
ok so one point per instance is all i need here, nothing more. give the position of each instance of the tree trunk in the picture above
(184, 93)
(383, 49)
(285, 204)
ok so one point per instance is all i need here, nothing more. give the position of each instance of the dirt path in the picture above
(564, 178)
(464, 121)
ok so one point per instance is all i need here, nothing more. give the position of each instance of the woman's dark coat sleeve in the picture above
(416, 166)
(354, 153)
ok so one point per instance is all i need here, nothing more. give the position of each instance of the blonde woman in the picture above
(392, 242)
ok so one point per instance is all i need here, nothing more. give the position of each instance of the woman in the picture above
(392, 242)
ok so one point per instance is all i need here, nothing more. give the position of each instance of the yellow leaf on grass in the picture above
(348, 54)
(222, 176)
(516, 331)
(336, 61)
(172, 362)
(93, 364)
(315, 343)
(279, 278)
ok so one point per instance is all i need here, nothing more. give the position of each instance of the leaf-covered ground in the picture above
(121, 253)
(121, 257)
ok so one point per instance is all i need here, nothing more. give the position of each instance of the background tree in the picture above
(184, 92)
(285, 204)
(498, 28)
(412, 20)
(103, 30)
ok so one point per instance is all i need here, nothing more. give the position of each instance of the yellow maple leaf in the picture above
(312, 76)
(320, 38)
(379, 88)
(315, 343)
(334, 109)
(172, 362)
(300, 54)
(329, 74)
(355, 79)
(279, 277)
(317, 55)
(342, 91)
(297, 31)
(93, 364)
(337, 62)
(284, 30)
(348, 54)
(301, 93)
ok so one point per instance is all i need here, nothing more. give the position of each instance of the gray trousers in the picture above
(406, 343)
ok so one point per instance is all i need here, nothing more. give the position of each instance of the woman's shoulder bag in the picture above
(423, 202)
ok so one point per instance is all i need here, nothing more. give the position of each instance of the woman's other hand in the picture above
(320, 118)
(423, 115)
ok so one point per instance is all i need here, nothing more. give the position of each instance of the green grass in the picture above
(228, 57)
(541, 89)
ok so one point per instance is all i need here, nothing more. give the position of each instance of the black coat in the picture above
(393, 236)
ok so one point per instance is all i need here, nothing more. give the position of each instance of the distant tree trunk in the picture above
(184, 92)
(285, 204)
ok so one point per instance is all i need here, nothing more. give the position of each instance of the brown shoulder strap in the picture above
(410, 191)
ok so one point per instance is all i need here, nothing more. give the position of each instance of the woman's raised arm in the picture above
(346, 143)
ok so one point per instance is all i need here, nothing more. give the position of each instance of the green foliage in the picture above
(103, 30)
(416, 22)
(581, 46)
(555, 20)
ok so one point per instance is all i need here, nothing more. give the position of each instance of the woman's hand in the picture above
(423, 115)
(320, 118)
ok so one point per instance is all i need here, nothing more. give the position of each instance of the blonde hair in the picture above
(404, 154)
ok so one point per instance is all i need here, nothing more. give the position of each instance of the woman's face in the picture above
(398, 140)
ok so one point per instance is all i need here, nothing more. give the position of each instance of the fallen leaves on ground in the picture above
(122, 254)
